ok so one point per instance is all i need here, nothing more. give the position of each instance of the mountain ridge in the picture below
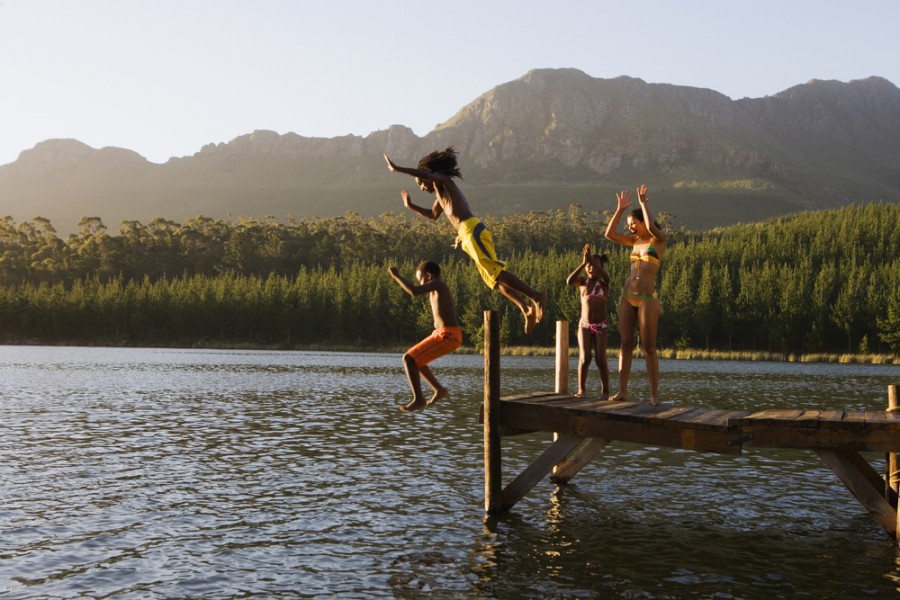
(548, 139)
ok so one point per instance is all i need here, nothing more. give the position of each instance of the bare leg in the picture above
(439, 390)
(648, 317)
(627, 323)
(602, 364)
(415, 383)
(514, 288)
(584, 358)
(516, 298)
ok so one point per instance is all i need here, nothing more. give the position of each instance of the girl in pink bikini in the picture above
(594, 325)
(639, 306)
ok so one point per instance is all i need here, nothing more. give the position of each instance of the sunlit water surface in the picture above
(135, 473)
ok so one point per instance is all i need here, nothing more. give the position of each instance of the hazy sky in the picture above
(165, 77)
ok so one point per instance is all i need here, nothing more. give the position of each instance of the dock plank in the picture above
(704, 428)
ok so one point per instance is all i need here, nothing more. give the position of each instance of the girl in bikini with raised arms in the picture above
(639, 306)
(594, 326)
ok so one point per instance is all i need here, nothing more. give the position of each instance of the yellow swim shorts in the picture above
(477, 242)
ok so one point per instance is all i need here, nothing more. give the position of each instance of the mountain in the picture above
(549, 139)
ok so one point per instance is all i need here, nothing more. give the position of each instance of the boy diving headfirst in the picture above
(434, 175)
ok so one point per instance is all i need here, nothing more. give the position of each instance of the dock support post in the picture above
(892, 477)
(562, 357)
(493, 487)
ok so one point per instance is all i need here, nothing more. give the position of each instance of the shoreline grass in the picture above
(735, 355)
(664, 353)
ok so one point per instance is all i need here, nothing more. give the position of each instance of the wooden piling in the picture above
(892, 479)
(493, 488)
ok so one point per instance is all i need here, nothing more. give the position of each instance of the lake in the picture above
(159, 473)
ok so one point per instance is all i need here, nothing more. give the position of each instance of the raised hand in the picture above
(624, 198)
(642, 194)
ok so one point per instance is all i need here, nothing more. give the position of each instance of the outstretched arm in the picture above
(624, 201)
(433, 214)
(435, 179)
(644, 200)
(409, 288)
(422, 174)
(402, 281)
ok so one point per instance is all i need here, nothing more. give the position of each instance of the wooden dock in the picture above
(582, 427)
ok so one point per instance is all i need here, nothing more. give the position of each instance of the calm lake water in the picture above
(136, 473)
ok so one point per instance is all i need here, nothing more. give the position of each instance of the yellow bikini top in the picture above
(649, 256)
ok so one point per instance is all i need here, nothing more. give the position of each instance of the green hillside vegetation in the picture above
(814, 282)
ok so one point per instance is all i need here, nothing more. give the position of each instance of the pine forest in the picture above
(823, 281)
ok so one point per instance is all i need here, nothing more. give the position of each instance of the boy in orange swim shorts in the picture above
(446, 337)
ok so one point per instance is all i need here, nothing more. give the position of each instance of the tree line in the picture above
(820, 281)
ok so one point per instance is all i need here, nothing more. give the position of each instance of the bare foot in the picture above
(530, 318)
(654, 400)
(620, 397)
(416, 404)
(438, 394)
(579, 394)
(604, 397)
(540, 305)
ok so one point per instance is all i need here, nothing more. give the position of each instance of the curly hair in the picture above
(429, 266)
(441, 161)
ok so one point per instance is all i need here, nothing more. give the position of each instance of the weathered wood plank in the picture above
(685, 416)
(859, 439)
(810, 414)
(854, 416)
(724, 419)
(876, 417)
(665, 426)
(530, 396)
(583, 402)
(707, 417)
(831, 415)
(635, 412)
(611, 406)
(608, 426)
(598, 404)
(673, 411)
(702, 418)
(775, 414)
(549, 399)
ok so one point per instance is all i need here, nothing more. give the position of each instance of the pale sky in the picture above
(165, 77)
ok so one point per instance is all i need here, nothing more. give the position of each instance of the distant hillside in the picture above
(547, 140)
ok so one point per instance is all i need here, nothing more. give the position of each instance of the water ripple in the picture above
(172, 473)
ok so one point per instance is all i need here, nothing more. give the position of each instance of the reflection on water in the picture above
(176, 473)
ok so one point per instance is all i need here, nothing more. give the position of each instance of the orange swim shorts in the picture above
(441, 341)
